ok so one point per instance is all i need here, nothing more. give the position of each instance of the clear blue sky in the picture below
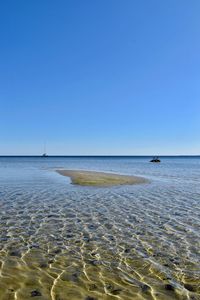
(100, 77)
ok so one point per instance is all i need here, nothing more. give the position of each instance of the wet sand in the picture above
(101, 179)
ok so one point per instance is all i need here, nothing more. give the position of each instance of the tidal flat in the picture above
(60, 241)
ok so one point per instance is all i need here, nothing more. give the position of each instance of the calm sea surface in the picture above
(59, 241)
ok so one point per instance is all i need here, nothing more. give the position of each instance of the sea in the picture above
(61, 241)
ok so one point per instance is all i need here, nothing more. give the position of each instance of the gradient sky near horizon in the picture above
(100, 77)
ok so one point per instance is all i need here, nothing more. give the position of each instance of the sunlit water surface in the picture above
(59, 241)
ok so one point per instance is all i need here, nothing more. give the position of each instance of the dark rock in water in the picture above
(91, 226)
(113, 290)
(57, 251)
(116, 291)
(190, 287)
(155, 160)
(109, 287)
(94, 262)
(51, 261)
(69, 236)
(34, 246)
(52, 216)
(90, 298)
(15, 253)
(169, 287)
(166, 265)
(127, 250)
(35, 293)
(168, 278)
(145, 288)
(86, 239)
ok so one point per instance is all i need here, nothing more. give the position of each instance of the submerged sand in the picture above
(93, 178)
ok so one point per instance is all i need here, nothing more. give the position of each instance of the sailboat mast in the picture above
(44, 154)
(44, 147)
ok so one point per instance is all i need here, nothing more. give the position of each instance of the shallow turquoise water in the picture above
(59, 241)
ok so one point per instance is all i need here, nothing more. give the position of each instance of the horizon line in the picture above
(101, 155)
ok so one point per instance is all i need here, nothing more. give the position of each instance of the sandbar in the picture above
(101, 179)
